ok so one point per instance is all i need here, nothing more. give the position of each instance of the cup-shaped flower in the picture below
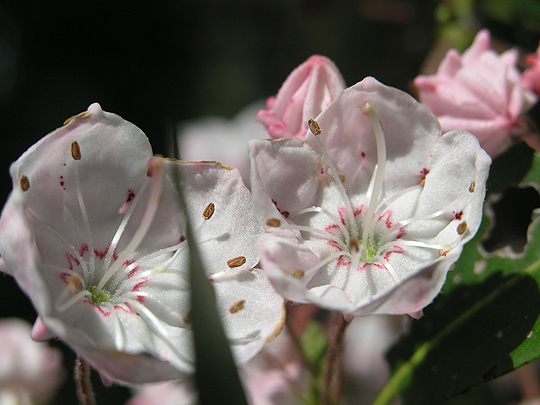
(368, 214)
(94, 235)
(30, 372)
(305, 93)
(480, 92)
(530, 77)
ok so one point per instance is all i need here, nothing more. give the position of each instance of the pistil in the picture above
(378, 177)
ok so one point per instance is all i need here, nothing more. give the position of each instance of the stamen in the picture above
(237, 306)
(378, 173)
(123, 224)
(24, 183)
(392, 272)
(119, 338)
(82, 207)
(330, 215)
(322, 234)
(236, 261)
(208, 211)
(146, 222)
(155, 325)
(63, 306)
(428, 245)
(391, 199)
(325, 261)
(316, 130)
(273, 222)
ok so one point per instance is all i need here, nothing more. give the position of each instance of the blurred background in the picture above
(161, 62)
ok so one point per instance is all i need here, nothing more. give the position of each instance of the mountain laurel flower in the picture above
(305, 93)
(369, 213)
(94, 235)
(480, 92)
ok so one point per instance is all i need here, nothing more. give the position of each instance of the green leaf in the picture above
(314, 344)
(486, 321)
(216, 376)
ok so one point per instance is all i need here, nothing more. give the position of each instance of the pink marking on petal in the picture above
(64, 277)
(141, 298)
(141, 282)
(378, 265)
(399, 250)
(388, 215)
(70, 257)
(341, 261)
(83, 249)
(458, 215)
(101, 254)
(127, 309)
(104, 312)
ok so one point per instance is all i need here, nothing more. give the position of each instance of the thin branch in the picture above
(82, 379)
(331, 389)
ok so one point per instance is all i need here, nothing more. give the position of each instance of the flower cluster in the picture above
(360, 204)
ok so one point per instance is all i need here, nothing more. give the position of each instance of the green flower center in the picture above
(99, 297)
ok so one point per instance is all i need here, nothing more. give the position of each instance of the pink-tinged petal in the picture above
(306, 92)
(530, 78)
(386, 216)
(295, 161)
(289, 264)
(93, 232)
(480, 91)
(40, 332)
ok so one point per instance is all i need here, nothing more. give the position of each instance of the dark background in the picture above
(159, 62)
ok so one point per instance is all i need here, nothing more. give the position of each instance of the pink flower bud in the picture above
(306, 92)
(480, 92)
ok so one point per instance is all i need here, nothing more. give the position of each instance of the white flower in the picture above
(94, 234)
(367, 215)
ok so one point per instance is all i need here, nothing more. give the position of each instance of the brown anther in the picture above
(462, 227)
(353, 245)
(209, 211)
(298, 273)
(24, 183)
(237, 306)
(285, 214)
(314, 127)
(342, 178)
(444, 251)
(85, 114)
(236, 261)
(273, 222)
(187, 318)
(75, 150)
(471, 187)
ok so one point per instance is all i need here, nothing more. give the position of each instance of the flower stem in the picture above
(333, 372)
(84, 386)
